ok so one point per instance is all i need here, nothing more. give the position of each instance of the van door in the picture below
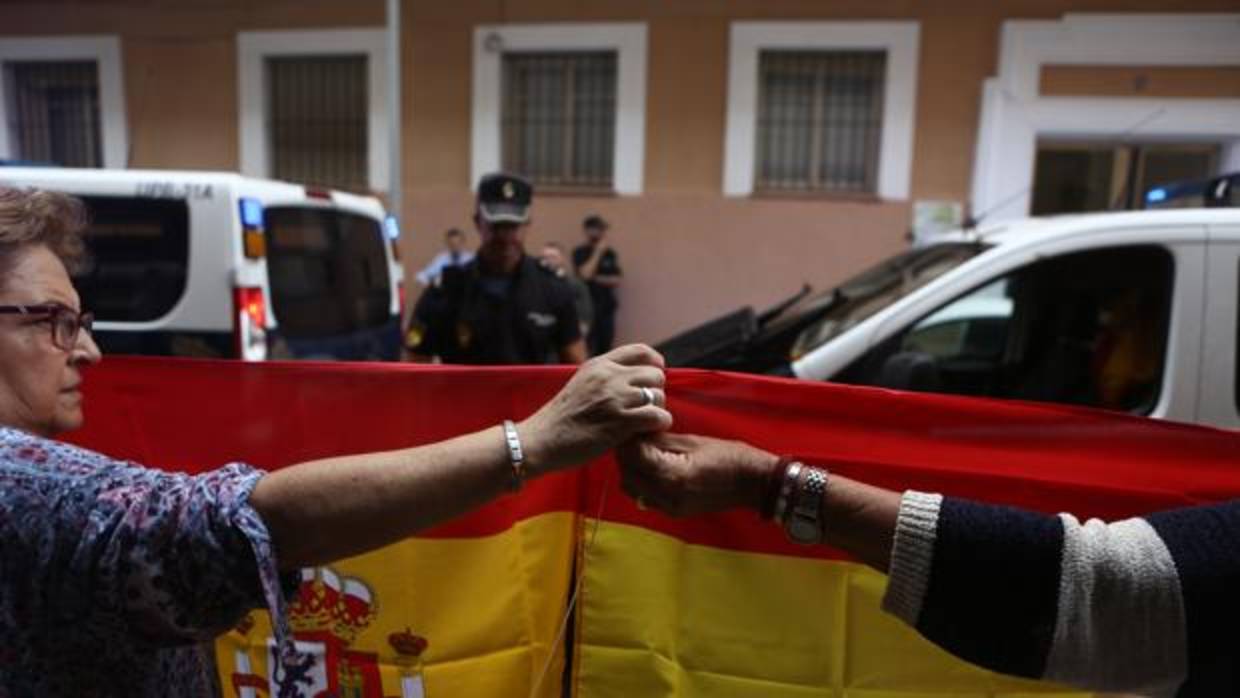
(1219, 394)
(1093, 327)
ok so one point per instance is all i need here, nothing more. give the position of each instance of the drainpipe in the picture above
(393, 93)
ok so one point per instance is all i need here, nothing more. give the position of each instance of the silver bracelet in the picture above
(516, 456)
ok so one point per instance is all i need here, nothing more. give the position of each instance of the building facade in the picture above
(738, 149)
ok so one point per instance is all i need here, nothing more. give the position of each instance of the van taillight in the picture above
(250, 300)
(250, 323)
(402, 294)
(253, 239)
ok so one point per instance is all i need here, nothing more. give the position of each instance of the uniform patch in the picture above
(464, 335)
(414, 335)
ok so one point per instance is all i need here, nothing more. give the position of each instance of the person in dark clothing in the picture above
(599, 266)
(504, 307)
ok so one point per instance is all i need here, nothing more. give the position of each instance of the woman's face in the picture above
(40, 383)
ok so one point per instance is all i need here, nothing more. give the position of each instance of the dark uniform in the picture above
(471, 318)
(603, 329)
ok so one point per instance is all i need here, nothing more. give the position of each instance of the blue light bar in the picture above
(251, 213)
(1153, 196)
(391, 228)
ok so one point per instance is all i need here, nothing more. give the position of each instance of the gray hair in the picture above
(32, 217)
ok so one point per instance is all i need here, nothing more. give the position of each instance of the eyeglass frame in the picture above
(54, 312)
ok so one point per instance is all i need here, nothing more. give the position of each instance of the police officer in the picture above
(503, 307)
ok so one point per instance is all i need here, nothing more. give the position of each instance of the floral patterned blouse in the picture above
(114, 578)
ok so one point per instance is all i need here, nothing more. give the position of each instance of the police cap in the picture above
(504, 198)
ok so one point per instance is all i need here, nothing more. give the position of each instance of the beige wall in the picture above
(1140, 81)
(173, 120)
(688, 252)
(688, 257)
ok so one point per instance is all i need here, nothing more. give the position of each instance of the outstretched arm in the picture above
(1139, 605)
(328, 509)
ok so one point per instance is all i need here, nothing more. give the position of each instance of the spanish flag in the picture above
(715, 606)
(470, 608)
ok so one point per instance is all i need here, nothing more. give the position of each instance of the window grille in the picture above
(559, 117)
(318, 112)
(820, 120)
(54, 112)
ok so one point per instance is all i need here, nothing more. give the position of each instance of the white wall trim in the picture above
(1014, 115)
(1230, 162)
(899, 39)
(252, 50)
(106, 52)
(628, 39)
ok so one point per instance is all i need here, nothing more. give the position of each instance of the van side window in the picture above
(1086, 329)
(138, 257)
(328, 272)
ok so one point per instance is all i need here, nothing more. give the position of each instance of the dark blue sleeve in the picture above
(611, 264)
(993, 592)
(427, 330)
(580, 255)
(568, 323)
(1204, 542)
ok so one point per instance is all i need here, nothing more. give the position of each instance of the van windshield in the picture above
(867, 293)
(327, 270)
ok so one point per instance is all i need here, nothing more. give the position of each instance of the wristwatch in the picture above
(804, 523)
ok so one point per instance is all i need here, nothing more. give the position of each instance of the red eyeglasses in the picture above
(66, 323)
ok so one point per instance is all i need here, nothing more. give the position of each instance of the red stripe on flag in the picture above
(196, 415)
(1038, 456)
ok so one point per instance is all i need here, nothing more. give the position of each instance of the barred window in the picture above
(819, 120)
(559, 117)
(54, 112)
(318, 109)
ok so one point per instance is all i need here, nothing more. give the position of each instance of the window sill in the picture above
(832, 196)
(561, 190)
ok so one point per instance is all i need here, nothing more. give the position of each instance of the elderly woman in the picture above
(115, 577)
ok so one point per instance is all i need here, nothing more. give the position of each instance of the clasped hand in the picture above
(617, 400)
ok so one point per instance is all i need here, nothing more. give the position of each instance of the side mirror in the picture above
(909, 370)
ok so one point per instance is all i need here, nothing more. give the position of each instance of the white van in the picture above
(214, 264)
(1127, 311)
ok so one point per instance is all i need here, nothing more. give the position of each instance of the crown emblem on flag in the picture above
(327, 602)
(245, 625)
(408, 647)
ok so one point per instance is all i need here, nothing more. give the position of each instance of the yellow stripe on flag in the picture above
(487, 608)
(661, 618)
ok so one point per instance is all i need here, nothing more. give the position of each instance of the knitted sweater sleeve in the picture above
(1140, 605)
